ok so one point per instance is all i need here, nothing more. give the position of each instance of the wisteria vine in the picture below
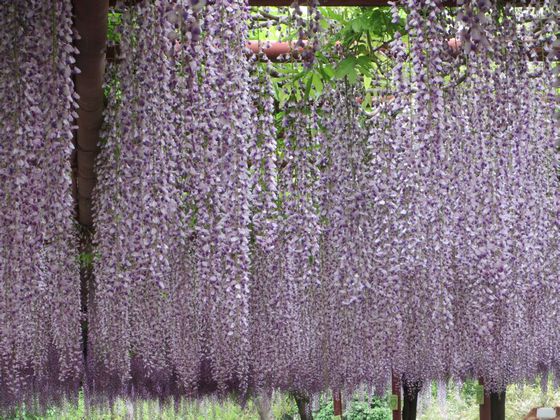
(246, 244)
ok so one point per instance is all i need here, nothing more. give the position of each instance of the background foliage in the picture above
(459, 404)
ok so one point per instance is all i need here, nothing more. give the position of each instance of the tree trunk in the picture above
(396, 390)
(304, 408)
(498, 403)
(485, 409)
(337, 403)
(410, 396)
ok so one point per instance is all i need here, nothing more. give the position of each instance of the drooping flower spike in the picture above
(40, 338)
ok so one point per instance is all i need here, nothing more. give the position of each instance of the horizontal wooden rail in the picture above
(274, 50)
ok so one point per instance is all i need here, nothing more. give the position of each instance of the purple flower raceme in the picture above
(307, 25)
(287, 274)
(222, 136)
(173, 205)
(478, 151)
(141, 234)
(40, 340)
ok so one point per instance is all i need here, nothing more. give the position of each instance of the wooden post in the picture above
(91, 20)
(396, 390)
(337, 403)
(485, 407)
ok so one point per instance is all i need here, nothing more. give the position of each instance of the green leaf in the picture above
(364, 60)
(329, 71)
(317, 83)
(393, 402)
(356, 25)
(308, 85)
(297, 94)
(479, 394)
(367, 100)
(345, 67)
(352, 76)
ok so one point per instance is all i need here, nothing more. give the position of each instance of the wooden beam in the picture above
(277, 50)
(484, 408)
(91, 17)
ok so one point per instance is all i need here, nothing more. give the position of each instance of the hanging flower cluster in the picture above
(287, 272)
(331, 250)
(40, 350)
(435, 219)
(482, 202)
(339, 247)
(308, 28)
(173, 204)
(221, 138)
(140, 235)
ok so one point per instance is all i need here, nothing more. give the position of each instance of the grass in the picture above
(461, 405)
(205, 409)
